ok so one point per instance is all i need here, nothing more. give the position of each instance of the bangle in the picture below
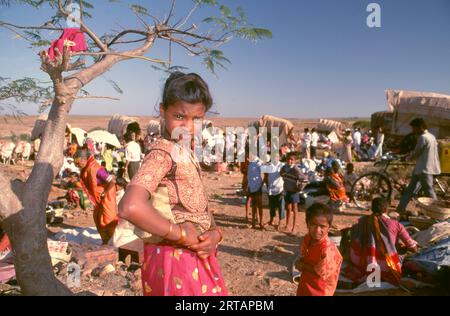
(183, 236)
(217, 229)
(168, 233)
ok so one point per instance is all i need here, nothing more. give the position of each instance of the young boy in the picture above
(349, 178)
(255, 183)
(291, 174)
(320, 260)
(275, 186)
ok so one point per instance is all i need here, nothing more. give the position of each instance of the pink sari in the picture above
(169, 271)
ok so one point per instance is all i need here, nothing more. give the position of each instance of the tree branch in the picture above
(188, 16)
(123, 33)
(123, 55)
(96, 97)
(172, 7)
(31, 27)
(78, 80)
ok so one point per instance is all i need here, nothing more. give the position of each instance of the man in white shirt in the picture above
(314, 142)
(426, 155)
(275, 185)
(132, 156)
(306, 144)
(357, 139)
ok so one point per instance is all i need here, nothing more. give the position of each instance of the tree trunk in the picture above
(22, 206)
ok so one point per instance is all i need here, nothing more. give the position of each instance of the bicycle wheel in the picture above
(369, 186)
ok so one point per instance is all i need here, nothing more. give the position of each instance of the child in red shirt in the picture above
(320, 260)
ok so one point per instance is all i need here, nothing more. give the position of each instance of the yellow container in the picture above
(444, 156)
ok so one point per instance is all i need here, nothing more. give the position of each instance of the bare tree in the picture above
(22, 206)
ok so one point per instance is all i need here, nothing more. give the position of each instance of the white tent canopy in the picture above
(118, 124)
(79, 133)
(102, 136)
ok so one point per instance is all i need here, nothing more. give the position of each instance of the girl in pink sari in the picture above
(183, 262)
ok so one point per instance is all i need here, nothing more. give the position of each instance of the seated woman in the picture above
(373, 241)
(334, 180)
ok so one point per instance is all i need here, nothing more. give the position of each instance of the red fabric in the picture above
(373, 241)
(326, 260)
(72, 37)
(337, 193)
(4, 242)
(169, 271)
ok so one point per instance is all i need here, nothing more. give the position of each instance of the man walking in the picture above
(427, 164)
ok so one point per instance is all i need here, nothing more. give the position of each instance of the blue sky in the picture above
(323, 60)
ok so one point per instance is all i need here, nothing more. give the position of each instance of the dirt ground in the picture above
(253, 262)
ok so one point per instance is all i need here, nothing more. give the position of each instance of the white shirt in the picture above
(427, 155)
(276, 182)
(133, 152)
(357, 138)
(314, 139)
(306, 142)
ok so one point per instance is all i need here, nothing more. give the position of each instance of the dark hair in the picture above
(319, 209)
(349, 165)
(379, 205)
(292, 154)
(190, 88)
(306, 130)
(121, 182)
(419, 123)
(313, 129)
(82, 153)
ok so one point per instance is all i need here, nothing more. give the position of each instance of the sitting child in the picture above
(320, 260)
(74, 188)
(334, 180)
(76, 197)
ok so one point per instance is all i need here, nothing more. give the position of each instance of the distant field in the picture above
(10, 126)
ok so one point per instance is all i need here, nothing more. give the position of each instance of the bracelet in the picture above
(220, 234)
(170, 230)
(183, 236)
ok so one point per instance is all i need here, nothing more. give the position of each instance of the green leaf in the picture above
(225, 11)
(41, 43)
(207, 2)
(114, 85)
(139, 9)
(253, 34)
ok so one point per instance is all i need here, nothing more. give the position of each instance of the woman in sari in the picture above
(334, 179)
(373, 241)
(100, 188)
(182, 261)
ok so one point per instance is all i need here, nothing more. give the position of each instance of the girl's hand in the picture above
(191, 234)
(207, 244)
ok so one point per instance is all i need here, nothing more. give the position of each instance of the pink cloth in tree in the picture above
(71, 37)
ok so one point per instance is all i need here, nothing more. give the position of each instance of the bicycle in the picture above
(382, 183)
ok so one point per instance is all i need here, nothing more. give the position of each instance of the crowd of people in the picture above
(131, 187)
